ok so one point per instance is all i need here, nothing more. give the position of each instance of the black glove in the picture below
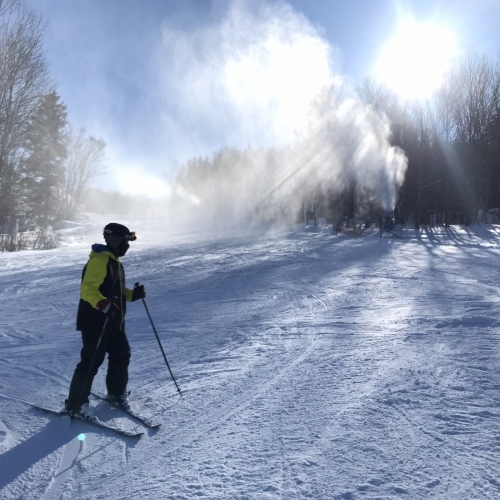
(138, 292)
(108, 307)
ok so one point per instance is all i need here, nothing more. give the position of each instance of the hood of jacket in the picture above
(100, 248)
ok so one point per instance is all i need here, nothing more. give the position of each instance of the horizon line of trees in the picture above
(452, 144)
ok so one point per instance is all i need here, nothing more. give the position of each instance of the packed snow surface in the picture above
(312, 365)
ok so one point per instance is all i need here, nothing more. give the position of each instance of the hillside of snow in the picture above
(312, 365)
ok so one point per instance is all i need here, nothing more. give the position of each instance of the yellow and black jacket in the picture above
(103, 277)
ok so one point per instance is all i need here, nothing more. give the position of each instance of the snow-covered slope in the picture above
(312, 366)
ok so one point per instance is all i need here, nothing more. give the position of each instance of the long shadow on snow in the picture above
(324, 256)
(25, 455)
(472, 236)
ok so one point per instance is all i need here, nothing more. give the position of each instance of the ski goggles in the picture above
(108, 233)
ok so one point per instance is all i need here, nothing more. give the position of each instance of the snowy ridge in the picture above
(312, 366)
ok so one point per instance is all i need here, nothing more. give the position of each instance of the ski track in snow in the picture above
(69, 455)
(312, 366)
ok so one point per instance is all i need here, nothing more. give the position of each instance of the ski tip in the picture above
(132, 435)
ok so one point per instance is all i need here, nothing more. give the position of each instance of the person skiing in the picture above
(101, 321)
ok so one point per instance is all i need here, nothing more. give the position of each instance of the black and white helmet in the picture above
(115, 229)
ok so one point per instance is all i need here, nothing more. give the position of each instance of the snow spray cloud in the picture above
(251, 78)
(352, 142)
(248, 78)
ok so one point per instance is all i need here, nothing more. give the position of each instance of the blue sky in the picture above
(162, 81)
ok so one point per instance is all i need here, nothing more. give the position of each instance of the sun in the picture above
(414, 60)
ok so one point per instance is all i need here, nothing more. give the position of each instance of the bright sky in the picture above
(162, 81)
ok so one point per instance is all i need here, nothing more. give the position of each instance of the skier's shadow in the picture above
(19, 459)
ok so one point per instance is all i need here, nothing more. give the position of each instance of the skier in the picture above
(101, 321)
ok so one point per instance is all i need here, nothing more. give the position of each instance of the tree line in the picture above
(452, 144)
(45, 163)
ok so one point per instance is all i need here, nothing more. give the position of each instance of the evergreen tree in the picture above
(43, 167)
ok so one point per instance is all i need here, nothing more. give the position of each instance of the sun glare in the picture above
(415, 59)
(136, 180)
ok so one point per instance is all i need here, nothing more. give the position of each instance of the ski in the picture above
(96, 423)
(148, 422)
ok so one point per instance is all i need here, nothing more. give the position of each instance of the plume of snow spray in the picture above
(261, 75)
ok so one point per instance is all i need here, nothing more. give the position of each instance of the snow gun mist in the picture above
(281, 127)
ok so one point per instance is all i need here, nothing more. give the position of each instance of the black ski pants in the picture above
(113, 342)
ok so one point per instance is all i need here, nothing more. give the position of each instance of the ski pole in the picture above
(159, 343)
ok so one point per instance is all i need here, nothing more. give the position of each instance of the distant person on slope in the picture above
(101, 320)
